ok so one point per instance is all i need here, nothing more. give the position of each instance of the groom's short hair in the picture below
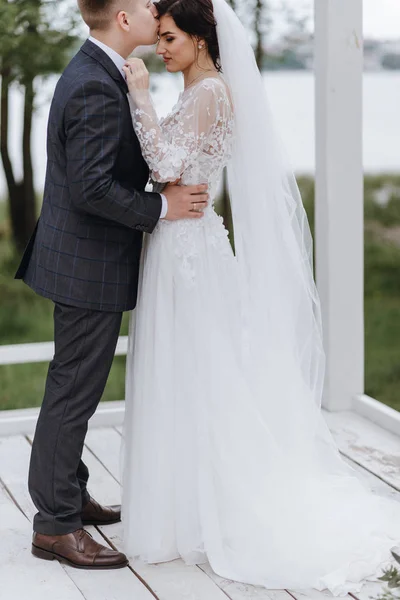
(98, 14)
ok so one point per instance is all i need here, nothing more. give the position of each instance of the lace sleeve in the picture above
(202, 125)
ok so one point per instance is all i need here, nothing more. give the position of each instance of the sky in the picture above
(381, 18)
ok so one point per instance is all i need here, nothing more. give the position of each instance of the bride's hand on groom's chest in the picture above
(137, 75)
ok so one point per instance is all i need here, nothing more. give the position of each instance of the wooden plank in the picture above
(21, 574)
(312, 594)
(105, 444)
(119, 584)
(172, 580)
(339, 191)
(105, 488)
(18, 354)
(14, 472)
(242, 591)
(376, 485)
(371, 589)
(367, 444)
(101, 485)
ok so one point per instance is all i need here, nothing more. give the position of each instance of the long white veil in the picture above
(281, 310)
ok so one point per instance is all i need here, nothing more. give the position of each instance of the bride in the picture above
(227, 458)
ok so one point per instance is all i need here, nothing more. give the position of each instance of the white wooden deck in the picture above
(373, 452)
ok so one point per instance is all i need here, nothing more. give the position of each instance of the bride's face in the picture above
(178, 49)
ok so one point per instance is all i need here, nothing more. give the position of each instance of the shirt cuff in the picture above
(164, 208)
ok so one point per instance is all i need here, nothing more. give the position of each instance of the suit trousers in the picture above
(85, 342)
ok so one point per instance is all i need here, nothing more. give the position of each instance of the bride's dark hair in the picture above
(195, 17)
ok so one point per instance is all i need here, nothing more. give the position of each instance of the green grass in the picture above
(382, 317)
(382, 345)
(26, 317)
(382, 284)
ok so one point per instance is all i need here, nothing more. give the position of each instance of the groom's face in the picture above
(144, 23)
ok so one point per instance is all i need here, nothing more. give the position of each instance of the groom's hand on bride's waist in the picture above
(186, 201)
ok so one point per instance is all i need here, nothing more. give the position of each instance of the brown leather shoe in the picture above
(77, 549)
(95, 514)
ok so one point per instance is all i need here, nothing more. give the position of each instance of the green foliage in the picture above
(389, 595)
(382, 200)
(382, 348)
(391, 61)
(286, 60)
(307, 191)
(382, 267)
(32, 40)
(391, 577)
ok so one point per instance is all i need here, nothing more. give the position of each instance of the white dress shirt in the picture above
(119, 62)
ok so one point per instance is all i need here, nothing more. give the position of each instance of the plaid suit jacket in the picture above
(85, 250)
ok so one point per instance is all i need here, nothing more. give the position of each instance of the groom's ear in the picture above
(123, 20)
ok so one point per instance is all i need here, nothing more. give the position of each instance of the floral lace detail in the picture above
(194, 144)
(189, 241)
(194, 141)
(187, 252)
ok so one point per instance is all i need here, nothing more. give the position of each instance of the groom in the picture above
(84, 255)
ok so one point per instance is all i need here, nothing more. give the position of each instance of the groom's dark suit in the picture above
(84, 255)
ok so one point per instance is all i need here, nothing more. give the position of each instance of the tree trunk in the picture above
(28, 220)
(226, 207)
(21, 195)
(4, 111)
(258, 18)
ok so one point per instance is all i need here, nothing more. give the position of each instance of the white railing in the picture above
(108, 414)
(19, 354)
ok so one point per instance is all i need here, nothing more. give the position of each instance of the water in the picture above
(292, 99)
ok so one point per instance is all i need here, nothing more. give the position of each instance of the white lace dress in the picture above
(206, 475)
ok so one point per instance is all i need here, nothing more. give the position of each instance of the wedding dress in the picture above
(208, 476)
(227, 457)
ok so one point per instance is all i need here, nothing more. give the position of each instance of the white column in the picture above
(339, 195)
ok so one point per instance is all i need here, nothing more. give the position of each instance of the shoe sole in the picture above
(47, 555)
